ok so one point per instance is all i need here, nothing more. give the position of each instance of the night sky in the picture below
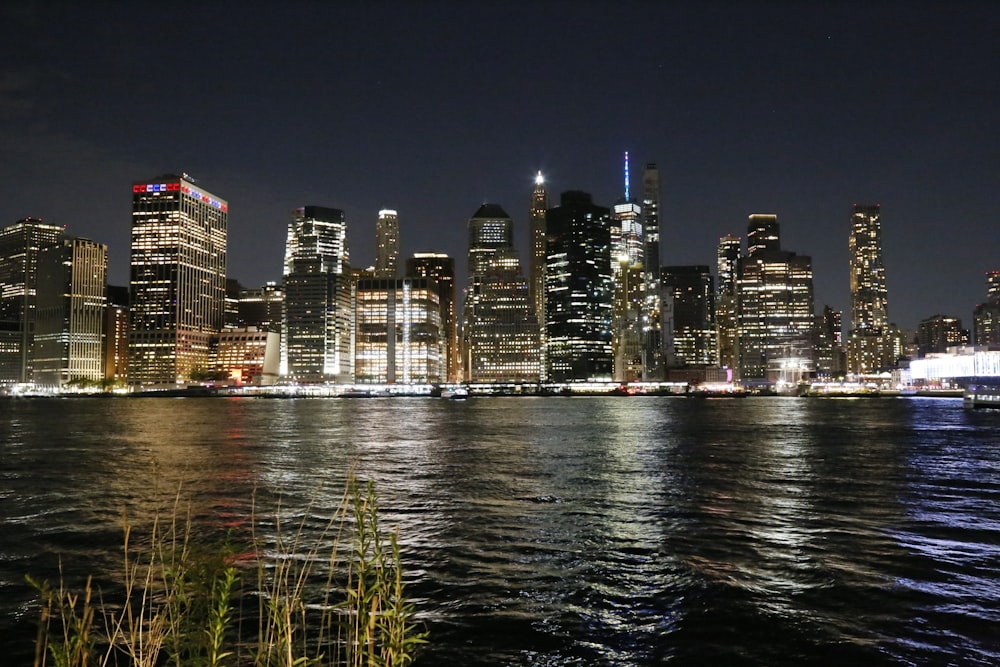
(798, 109)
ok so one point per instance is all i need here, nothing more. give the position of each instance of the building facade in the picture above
(20, 244)
(69, 329)
(986, 316)
(692, 293)
(652, 317)
(869, 348)
(441, 268)
(728, 271)
(539, 204)
(387, 244)
(579, 291)
(178, 279)
(317, 323)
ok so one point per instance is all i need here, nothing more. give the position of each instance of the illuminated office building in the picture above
(986, 316)
(20, 244)
(728, 271)
(116, 334)
(539, 204)
(627, 251)
(579, 291)
(692, 294)
(316, 341)
(387, 244)
(178, 279)
(441, 268)
(261, 307)
(398, 334)
(775, 308)
(69, 323)
(652, 316)
(499, 329)
(869, 348)
(937, 333)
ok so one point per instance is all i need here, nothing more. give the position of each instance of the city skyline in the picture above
(798, 111)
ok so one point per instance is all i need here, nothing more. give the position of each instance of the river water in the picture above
(562, 530)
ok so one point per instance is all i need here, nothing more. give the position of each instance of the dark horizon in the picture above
(801, 110)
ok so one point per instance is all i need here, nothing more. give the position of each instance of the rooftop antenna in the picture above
(626, 176)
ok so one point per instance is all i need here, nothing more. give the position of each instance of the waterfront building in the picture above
(20, 244)
(652, 317)
(387, 244)
(247, 356)
(317, 323)
(398, 333)
(500, 336)
(937, 333)
(627, 249)
(177, 280)
(831, 360)
(579, 291)
(869, 349)
(261, 307)
(692, 294)
(116, 334)
(727, 267)
(69, 321)
(441, 268)
(539, 204)
(986, 316)
(775, 308)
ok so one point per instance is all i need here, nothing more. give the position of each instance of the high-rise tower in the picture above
(728, 271)
(627, 251)
(317, 283)
(20, 244)
(441, 268)
(869, 349)
(539, 204)
(178, 279)
(387, 244)
(651, 317)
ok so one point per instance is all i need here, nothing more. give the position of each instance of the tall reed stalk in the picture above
(333, 598)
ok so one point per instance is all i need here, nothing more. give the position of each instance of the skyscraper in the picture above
(653, 344)
(868, 347)
(579, 291)
(441, 268)
(693, 296)
(500, 330)
(728, 271)
(986, 316)
(539, 204)
(387, 244)
(317, 284)
(70, 319)
(20, 244)
(775, 308)
(627, 251)
(178, 279)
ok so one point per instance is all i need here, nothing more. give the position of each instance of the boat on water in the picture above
(456, 393)
(982, 396)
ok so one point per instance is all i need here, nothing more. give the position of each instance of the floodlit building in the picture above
(869, 345)
(398, 333)
(178, 279)
(20, 244)
(579, 291)
(317, 330)
(441, 268)
(69, 323)
(247, 356)
(775, 308)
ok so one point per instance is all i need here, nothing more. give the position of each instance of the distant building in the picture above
(579, 291)
(651, 316)
(261, 307)
(539, 204)
(70, 318)
(728, 271)
(398, 333)
(627, 268)
(247, 356)
(20, 244)
(116, 334)
(937, 333)
(986, 316)
(178, 279)
(692, 291)
(869, 348)
(500, 334)
(775, 308)
(387, 244)
(441, 268)
(317, 327)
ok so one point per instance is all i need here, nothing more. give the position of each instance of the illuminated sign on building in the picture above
(183, 189)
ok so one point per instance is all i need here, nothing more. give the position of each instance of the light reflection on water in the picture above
(564, 531)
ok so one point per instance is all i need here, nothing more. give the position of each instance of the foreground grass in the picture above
(335, 599)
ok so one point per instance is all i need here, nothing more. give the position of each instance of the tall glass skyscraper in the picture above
(387, 244)
(728, 267)
(539, 204)
(317, 284)
(178, 279)
(653, 344)
(579, 291)
(869, 348)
